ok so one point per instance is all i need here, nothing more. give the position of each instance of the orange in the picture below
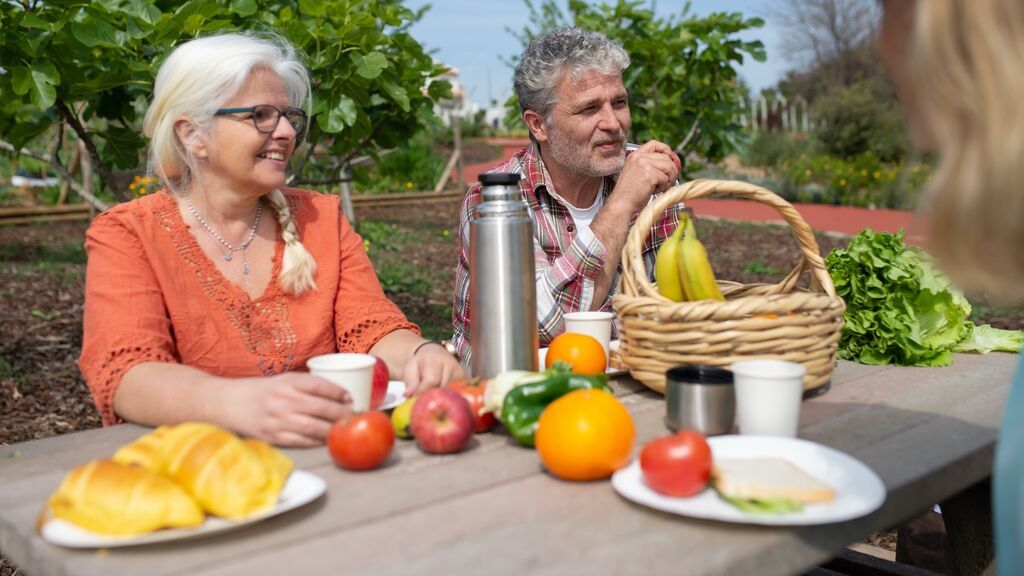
(585, 435)
(584, 353)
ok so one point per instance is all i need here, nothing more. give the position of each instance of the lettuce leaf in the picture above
(900, 309)
(985, 339)
(772, 507)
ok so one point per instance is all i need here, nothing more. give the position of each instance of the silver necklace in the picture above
(231, 248)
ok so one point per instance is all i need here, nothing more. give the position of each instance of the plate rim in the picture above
(628, 483)
(398, 392)
(301, 488)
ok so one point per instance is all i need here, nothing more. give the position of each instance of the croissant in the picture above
(225, 475)
(145, 452)
(110, 498)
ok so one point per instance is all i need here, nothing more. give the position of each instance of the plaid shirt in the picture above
(567, 260)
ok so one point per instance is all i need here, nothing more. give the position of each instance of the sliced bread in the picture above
(768, 479)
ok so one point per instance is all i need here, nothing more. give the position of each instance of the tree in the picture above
(831, 36)
(682, 80)
(89, 66)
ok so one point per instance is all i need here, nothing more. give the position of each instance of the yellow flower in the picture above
(842, 181)
(877, 174)
(408, 185)
(807, 172)
(445, 233)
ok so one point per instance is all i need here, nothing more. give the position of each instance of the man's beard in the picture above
(579, 159)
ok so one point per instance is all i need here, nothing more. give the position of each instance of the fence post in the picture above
(346, 195)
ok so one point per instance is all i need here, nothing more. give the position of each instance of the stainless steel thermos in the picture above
(502, 289)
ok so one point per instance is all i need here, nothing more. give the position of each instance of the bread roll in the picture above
(105, 497)
(224, 474)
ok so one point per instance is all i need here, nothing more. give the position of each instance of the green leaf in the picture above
(30, 20)
(370, 66)
(21, 80)
(144, 11)
(397, 93)
(342, 114)
(121, 146)
(40, 80)
(314, 7)
(244, 8)
(95, 33)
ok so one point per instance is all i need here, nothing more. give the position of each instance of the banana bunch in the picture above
(682, 269)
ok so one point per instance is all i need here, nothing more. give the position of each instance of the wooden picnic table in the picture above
(929, 433)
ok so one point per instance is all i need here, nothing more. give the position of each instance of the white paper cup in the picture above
(768, 395)
(353, 372)
(595, 324)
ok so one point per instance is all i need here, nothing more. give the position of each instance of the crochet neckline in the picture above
(207, 266)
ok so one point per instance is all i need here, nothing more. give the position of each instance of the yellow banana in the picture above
(696, 275)
(666, 267)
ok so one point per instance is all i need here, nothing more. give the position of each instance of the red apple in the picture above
(380, 384)
(473, 391)
(442, 421)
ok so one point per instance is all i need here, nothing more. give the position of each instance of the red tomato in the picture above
(473, 391)
(361, 441)
(677, 465)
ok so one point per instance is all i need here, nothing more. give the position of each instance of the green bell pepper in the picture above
(523, 404)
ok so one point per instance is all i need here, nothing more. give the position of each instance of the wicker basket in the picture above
(756, 320)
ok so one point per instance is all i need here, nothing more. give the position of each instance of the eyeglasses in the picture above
(266, 117)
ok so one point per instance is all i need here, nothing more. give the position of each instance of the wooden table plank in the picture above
(927, 432)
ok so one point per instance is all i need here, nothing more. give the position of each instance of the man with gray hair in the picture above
(583, 188)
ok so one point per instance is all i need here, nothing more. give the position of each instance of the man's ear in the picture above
(536, 125)
(189, 137)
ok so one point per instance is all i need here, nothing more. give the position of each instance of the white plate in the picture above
(302, 487)
(611, 370)
(394, 396)
(859, 491)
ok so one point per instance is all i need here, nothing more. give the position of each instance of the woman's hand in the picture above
(429, 367)
(290, 409)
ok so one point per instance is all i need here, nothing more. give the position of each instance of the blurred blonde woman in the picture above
(204, 300)
(958, 69)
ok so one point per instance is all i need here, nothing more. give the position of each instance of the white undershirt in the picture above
(584, 216)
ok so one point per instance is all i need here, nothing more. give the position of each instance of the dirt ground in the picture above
(42, 271)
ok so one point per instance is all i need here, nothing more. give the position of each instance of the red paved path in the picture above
(838, 219)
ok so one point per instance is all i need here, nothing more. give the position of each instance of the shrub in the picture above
(862, 118)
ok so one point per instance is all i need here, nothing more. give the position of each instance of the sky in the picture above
(471, 35)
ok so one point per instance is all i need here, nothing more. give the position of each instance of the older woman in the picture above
(957, 68)
(204, 300)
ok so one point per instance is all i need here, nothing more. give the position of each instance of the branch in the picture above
(362, 144)
(105, 174)
(94, 201)
(693, 130)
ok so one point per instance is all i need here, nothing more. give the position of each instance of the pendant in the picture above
(245, 268)
(227, 257)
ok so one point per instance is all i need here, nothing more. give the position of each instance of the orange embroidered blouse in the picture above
(151, 294)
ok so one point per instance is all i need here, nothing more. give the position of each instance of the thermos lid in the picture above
(499, 178)
(699, 374)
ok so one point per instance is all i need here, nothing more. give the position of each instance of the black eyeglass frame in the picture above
(299, 133)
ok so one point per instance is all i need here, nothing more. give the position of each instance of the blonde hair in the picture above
(193, 82)
(965, 61)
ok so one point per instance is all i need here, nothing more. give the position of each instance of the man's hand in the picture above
(650, 169)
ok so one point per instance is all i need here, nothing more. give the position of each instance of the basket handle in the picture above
(632, 252)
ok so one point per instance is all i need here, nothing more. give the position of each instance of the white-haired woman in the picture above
(204, 300)
(957, 68)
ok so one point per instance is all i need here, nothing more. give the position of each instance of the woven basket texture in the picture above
(783, 321)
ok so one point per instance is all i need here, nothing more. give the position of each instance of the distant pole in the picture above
(457, 132)
(346, 195)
